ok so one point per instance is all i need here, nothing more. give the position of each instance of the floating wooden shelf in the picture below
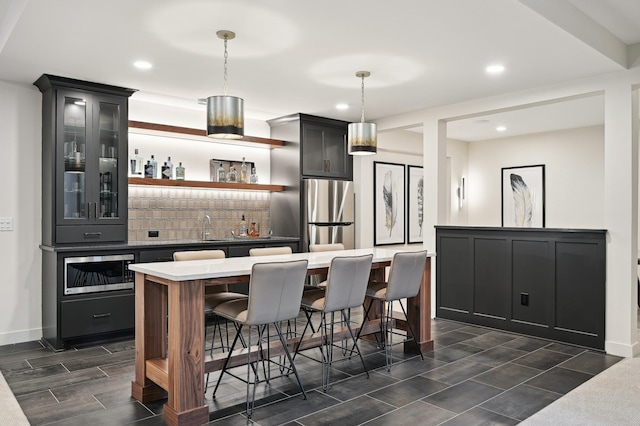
(156, 127)
(203, 184)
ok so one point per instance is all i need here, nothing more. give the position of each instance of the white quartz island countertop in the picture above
(237, 266)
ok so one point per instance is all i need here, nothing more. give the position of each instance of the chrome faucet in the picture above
(204, 233)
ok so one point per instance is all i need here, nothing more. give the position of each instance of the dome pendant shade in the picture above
(362, 138)
(225, 117)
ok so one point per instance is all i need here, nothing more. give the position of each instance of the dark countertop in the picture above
(217, 242)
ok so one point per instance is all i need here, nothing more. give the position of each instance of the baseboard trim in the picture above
(621, 349)
(20, 336)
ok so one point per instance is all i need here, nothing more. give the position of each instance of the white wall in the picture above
(20, 198)
(403, 147)
(458, 168)
(574, 176)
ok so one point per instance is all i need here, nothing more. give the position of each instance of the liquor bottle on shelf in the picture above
(137, 164)
(243, 172)
(254, 176)
(180, 172)
(243, 227)
(170, 164)
(166, 171)
(221, 174)
(148, 169)
(154, 167)
(232, 176)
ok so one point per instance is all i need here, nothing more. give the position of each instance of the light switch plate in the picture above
(6, 224)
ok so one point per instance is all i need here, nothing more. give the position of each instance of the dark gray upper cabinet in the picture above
(323, 145)
(84, 161)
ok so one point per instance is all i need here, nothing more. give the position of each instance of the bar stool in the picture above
(267, 251)
(316, 280)
(405, 277)
(214, 295)
(275, 291)
(346, 285)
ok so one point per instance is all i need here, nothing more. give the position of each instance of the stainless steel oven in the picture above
(92, 274)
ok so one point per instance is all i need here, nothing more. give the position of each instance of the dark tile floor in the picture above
(474, 376)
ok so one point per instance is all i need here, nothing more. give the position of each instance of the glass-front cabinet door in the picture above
(84, 161)
(108, 128)
(74, 131)
(93, 128)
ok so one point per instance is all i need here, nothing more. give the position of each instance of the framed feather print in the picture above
(523, 196)
(415, 203)
(388, 201)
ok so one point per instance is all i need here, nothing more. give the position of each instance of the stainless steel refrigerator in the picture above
(328, 212)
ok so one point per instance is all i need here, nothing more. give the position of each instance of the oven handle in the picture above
(92, 234)
(106, 315)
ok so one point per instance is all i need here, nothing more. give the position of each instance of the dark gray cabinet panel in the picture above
(97, 315)
(491, 271)
(459, 297)
(543, 282)
(578, 288)
(325, 151)
(532, 279)
(84, 161)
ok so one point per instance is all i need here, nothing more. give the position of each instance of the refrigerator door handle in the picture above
(331, 223)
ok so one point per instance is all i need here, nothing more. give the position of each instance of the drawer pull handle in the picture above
(92, 234)
(108, 314)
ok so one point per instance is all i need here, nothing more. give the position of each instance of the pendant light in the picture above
(362, 136)
(225, 114)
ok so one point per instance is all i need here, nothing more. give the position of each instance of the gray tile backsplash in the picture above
(176, 213)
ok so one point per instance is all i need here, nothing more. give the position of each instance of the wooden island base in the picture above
(170, 359)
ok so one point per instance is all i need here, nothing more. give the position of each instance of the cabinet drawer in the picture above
(97, 315)
(97, 233)
(163, 255)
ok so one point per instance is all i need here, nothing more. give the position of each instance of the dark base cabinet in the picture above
(68, 320)
(542, 282)
(71, 318)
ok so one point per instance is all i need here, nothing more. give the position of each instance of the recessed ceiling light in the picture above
(342, 106)
(495, 69)
(501, 128)
(143, 65)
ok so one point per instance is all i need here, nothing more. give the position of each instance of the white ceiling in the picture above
(300, 56)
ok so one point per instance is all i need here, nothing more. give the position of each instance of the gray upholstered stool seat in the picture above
(275, 291)
(346, 285)
(314, 248)
(405, 277)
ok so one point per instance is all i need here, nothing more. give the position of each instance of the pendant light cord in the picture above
(362, 106)
(226, 57)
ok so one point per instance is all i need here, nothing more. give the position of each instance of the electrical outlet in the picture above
(6, 224)
(153, 234)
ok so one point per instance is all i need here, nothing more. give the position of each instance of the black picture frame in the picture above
(523, 196)
(415, 204)
(388, 203)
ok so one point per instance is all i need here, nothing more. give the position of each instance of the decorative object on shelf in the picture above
(225, 114)
(415, 204)
(166, 171)
(254, 176)
(243, 172)
(232, 176)
(362, 136)
(170, 164)
(154, 167)
(523, 196)
(388, 202)
(221, 174)
(137, 164)
(180, 172)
